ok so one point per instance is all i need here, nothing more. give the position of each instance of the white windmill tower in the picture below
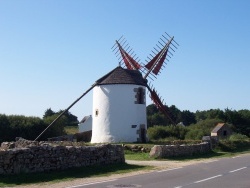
(119, 107)
(119, 102)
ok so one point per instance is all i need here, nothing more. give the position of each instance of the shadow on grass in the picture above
(241, 150)
(63, 175)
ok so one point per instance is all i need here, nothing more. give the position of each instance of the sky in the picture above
(53, 51)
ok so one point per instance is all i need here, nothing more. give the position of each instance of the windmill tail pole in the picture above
(60, 115)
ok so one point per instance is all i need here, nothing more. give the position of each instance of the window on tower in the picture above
(96, 112)
(140, 95)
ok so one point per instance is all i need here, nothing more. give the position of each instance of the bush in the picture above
(238, 136)
(233, 145)
(175, 142)
(200, 129)
(5, 130)
(57, 129)
(195, 134)
(13, 126)
(167, 132)
(19, 126)
(155, 133)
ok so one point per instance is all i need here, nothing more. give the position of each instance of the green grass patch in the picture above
(69, 174)
(71, 129)
(130, 155)
(139, 156)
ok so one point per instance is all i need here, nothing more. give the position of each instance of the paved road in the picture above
(225, 172)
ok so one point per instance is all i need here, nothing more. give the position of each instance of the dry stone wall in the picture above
(38, 157)
(164, 151)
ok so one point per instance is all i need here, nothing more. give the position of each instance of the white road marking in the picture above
(169, 169)
(208, 178)
(91, 183)
(178, 187)
(237, 169)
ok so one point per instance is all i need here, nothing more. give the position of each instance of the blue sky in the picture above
(52, 51)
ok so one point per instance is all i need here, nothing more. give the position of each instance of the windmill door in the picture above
(143, 135)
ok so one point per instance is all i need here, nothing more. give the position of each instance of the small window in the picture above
(96, 112)
(140, 95)
(133, 126)
(224, 133)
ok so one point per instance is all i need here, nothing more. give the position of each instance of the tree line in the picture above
(12, 126)
(196, 124)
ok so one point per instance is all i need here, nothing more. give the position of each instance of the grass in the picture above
(129, 155)
(71, 129)
(70, 174)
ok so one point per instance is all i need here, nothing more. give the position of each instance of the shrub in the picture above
(13, 126)
(167, 132)
(238, 136)
(195, 134)
(232, 145)
(174, 142)
(155, 133)
(200, 129)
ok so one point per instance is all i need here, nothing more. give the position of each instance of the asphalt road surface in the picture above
(222, 173)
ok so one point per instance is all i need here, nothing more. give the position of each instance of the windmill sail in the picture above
(152, 67)
(158, 65)
(129, 61)
(157, 101)
(151, 63)
(155, 64)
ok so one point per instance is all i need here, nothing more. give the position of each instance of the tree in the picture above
(48, 113)
(243, 124)
(151, 109)
(232, 116)
(200, 115)
(5, 130)
(57, 129)
(201, 128)
(215, 114)
(19, 126)
(175, 113)
(187, 117)
(71, 119)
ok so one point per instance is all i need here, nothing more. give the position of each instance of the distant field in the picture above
(71, 129)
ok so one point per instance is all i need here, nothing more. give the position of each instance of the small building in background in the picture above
(85, 129)
(221, 130)
(85, 124)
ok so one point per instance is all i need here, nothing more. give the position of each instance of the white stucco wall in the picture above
(86, 125)
(117, 112)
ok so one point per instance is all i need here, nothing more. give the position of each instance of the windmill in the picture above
(154, 64)
(119, 102)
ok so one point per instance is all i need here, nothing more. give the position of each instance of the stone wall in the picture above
(43, 157)
(164, 151)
